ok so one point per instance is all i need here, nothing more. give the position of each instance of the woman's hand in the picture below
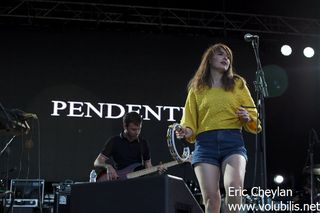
(243, 115)
(183, 132)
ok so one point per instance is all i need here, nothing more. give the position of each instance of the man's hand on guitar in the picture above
(111, 173)
(161, 168)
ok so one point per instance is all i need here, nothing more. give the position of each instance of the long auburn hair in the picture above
(201, 78)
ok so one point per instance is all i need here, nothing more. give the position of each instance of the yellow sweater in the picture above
(215, 108)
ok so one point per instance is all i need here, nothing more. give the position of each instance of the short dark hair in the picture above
(132, 117)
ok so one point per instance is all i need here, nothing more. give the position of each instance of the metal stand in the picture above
(12, 123)
(262, 92)
(7, 125)
(313, 139)
(7, 145)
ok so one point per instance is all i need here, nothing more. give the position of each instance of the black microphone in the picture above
(248, 37)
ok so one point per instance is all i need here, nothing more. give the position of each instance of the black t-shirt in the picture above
(124, 153)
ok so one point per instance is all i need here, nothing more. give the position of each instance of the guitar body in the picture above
(102, 176)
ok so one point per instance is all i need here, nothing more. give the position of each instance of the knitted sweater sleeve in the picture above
(253, 126)
(190, 115)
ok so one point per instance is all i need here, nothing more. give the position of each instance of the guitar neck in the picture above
(151, 169)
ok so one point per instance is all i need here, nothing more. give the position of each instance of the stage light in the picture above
(278, 179)
(286, 50)
(308, 52)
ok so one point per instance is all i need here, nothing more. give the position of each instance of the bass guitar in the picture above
(134, 170)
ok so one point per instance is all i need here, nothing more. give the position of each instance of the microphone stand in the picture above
(311, 148)
(262, 92)
(7, 145)
(313, 139)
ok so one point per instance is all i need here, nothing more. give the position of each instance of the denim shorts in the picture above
(215, 146)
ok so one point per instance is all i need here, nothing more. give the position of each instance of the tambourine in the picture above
(171, 137)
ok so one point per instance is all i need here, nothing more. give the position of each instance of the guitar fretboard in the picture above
(151, 170)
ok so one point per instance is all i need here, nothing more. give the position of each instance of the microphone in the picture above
(30, 115)
(21, 115)
(248, 37)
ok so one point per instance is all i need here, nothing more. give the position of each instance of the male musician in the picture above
(127, 150)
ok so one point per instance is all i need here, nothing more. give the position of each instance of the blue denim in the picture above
(215, 146)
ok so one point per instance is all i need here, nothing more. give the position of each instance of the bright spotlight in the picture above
(286, 50)
(278, 179)
(308, 52)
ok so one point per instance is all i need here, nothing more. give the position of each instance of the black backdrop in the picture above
(39, 66)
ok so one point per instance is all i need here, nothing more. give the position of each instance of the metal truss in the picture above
(42, 12)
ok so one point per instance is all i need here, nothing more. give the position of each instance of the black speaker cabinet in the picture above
(20, 210)
(26, 210)
(156, 194)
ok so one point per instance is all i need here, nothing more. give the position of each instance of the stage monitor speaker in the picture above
(26, 210)
(157, 194)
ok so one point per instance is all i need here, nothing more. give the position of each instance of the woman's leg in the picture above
(233, 171)
(208, 176)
